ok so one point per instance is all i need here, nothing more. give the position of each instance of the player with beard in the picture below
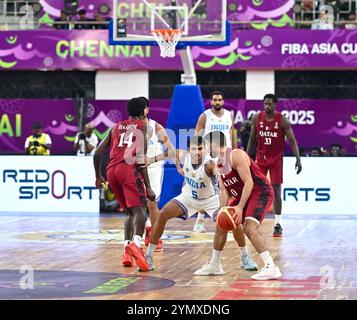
(217, 118)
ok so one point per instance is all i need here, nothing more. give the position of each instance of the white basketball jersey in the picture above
(223, 124)
(198, 185)
(154, 144)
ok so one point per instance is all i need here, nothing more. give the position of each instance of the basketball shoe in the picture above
(137, 253)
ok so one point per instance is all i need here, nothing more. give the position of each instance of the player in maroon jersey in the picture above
(268, 132)
(252, 195)
(128, 177)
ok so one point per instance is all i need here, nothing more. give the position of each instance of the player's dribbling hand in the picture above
(298, 166)
(238, 214)
(150, 194)
(100, 182)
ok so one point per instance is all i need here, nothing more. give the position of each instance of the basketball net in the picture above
(167, 40)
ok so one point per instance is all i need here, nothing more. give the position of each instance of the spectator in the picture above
(325, 21)
(108, 203)
(352, 23)
(39, 143)
(83, 23)
(244, 131)
(85, 142)
(99, 22)
(303, 152)
(63, 22)
(336, 150)
(315, 152)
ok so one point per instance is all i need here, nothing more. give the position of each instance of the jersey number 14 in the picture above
(126, 140)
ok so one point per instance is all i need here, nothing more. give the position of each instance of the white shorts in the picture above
(156, 174)
(191, 206)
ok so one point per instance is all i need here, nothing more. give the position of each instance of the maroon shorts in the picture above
(258, 204)
(275, 166)
(127, 184)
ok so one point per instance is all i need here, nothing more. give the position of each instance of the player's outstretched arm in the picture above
(97, 159)
(253, 136)
(201, 124)
(241, 163)
(291, 138)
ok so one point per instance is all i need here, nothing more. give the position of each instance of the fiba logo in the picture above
(267, 41)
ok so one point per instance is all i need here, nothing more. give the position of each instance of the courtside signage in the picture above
(324, 186)
(47, 184)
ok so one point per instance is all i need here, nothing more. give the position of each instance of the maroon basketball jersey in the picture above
(126, 142)
(233, 182)
(270, 135)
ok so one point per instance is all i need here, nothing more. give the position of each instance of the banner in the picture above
(66, 184)
(274, 14)
(315, 123)
(250, 49)
(321, 187)
(48, 184)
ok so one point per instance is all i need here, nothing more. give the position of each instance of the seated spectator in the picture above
(84, 22)
(39, 143)
(99, 22)
(85, 142)
(326, 18)
(303, 152)
(63, 22)
(108, 203)
(319, 152)
(308, 5)
(337, 150)
(352, 23)
(244, 131)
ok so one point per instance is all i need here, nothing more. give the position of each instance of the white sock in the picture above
(126, 242)
(201, 216)
(137, 240)
(268, 260)
(148, 223)
(278, 219)
(151, 249)
(243, 250)
(216, 257)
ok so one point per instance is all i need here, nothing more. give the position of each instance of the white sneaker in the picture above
(267, 273)
(210, 270)
(199, 227)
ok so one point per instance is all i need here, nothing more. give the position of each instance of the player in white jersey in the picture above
(158, 141)
(215, 119)
(200, 192)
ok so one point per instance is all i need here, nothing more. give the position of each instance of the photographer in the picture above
(85, 142)
(39, 143)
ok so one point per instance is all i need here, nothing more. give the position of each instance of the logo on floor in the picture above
(71, 284)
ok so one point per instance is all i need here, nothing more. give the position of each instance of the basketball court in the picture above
(79, 258)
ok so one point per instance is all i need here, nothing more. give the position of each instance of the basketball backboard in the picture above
(203, 22)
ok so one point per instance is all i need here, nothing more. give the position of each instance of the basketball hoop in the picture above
(167, 40)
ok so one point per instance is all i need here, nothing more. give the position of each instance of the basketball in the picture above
(225, 219)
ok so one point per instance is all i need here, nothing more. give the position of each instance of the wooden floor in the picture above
(78, 256)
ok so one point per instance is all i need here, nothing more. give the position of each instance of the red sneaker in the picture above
(160, 246)
(133, 250)
(126, 260)
(147, 236)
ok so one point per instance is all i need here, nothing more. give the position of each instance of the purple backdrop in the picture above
(315, 122)
(278, 12)
(252, 49)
